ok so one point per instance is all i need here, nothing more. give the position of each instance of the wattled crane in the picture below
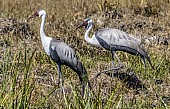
(61, 53)
(114, 40)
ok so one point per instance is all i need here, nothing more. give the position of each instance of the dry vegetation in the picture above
(28, 76)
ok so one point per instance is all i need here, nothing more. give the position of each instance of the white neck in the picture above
(42, 34)
(92, 40)
(86, 36)
(45, 40)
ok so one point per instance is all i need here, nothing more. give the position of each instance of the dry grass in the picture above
(28, 76)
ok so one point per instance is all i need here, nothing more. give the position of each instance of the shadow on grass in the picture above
(129, 78)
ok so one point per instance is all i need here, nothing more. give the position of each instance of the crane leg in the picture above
(59, 74)
(120, 63)
(113, 53)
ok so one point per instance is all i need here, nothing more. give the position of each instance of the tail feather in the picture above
(144, 55)
(82, 73)
(147, 57)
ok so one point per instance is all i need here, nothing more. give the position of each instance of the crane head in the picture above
(85, 23)
(38, 13)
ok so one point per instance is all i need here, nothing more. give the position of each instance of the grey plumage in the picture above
(63, 54)
(116, 40)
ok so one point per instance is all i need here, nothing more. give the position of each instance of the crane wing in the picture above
(60, 51)
(114, 39)
(117, 37)
(63, 54)
(118, 40)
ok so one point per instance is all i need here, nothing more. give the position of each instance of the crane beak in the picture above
(30, 17)
(82, 24)
(34, 15)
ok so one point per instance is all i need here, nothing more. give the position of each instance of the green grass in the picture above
(28, 77)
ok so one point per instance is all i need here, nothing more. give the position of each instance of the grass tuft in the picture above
(28, 77)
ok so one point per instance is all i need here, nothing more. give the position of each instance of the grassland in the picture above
(28, 76)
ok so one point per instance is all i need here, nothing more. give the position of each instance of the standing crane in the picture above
(114, 40)
(61, 53)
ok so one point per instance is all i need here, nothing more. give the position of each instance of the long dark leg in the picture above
(120, 63)
(113, 53)
(89, 85)
(59, 74)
